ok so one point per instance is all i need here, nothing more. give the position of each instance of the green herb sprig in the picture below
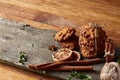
(22, 57)
(44, 72)
(118, 61)
(32, 45)
(80, 76)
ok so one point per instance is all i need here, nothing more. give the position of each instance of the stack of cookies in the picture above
(92, 40)
(67, 38)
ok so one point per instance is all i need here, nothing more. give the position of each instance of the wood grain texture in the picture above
(55, 14)
(67, 13)
(12, 73)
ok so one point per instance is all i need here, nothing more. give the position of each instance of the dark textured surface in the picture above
(14, 38)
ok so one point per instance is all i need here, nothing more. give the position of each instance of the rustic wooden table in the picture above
(56, 14)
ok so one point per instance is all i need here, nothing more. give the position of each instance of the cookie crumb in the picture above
(52, 48)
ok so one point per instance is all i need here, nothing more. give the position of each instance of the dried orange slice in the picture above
(75, 56)
(62, 54)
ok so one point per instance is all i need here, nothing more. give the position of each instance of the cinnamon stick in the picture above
(68, 68)
(112, 48)
(110, 57)
(75, 63)
(32, 67)
(107, 46)
(80, 63)
(110, 44)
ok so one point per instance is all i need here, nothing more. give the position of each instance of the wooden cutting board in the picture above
(56, 14)
(19, 37)
(34, 42)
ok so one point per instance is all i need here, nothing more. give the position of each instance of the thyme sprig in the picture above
(22, 57)
(79, 76)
